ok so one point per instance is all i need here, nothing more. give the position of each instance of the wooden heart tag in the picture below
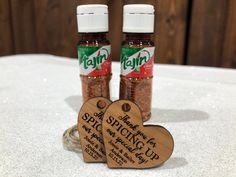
(90, 129)
(128, 143)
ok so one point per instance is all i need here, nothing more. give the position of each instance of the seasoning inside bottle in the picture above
(137, 56)
(94, 50)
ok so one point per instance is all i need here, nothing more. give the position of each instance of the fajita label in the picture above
(137, 62)
(94, 61)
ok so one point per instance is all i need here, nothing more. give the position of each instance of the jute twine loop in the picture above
(71, 139)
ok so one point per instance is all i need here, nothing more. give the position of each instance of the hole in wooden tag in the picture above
(90, 129)
(101, 104)
(126, 107)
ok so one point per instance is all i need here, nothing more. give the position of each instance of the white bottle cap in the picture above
(92, 18)
(138, 18)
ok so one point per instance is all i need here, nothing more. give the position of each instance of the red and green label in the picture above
(137, 62)
(94, 61)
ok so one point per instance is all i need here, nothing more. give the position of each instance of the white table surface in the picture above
(40, 96)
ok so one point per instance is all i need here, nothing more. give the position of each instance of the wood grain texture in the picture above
(207, 32)
(152, 2)
(90, 129)
(171, 17)
(50, 26)
(128, 143)
(229, 53)
(115, 27)
(81, 2)
(60, 36)
(6, 36)
(56, 27)
(23, 22)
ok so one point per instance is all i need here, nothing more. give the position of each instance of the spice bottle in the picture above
(137, 56)
(94, 50)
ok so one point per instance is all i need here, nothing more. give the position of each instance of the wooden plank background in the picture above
(56, 27)
(23, 26)
(171, 28)
(193, 32)
(207, 32)
(229, 50)
(6, 32)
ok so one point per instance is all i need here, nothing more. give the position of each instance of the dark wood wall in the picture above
(194, 32)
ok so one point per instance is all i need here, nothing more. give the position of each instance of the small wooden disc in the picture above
(128, 143)
(90, 129)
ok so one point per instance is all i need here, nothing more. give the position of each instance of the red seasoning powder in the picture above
(94, 51)
(137, 57)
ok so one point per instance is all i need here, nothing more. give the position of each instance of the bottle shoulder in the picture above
(93, 39)
(137, 43)
(93, 43)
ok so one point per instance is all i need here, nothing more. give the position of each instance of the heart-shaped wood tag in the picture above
(90, 129)
(128, 143)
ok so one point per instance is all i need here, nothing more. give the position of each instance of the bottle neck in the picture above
(92, 36)
(138, 36)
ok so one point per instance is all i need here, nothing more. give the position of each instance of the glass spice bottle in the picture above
(94, 50)
(137, 57)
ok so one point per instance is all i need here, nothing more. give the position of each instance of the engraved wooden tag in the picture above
(128, 143)
(90, 129)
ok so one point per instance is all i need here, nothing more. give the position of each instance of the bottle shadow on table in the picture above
(159, 115)
(175, 115)
(75, 102)
(174, 162)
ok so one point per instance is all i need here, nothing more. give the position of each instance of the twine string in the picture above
(71, 140)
